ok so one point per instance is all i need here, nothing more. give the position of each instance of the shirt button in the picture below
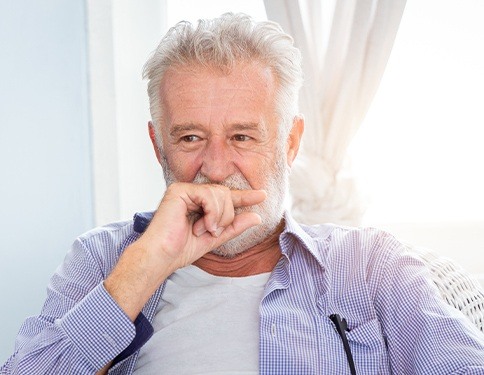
(273, 331)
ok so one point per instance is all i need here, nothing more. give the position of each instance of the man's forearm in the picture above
(135, 278)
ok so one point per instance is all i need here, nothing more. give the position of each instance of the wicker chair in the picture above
(456, 286)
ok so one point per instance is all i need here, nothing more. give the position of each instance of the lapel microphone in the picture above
(342, 328)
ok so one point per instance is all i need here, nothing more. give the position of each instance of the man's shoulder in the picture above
(102, 246)
(113, 230)
(107, 241)
(360, 254)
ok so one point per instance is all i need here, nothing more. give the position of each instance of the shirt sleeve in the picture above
(424, 334)
(80, 328)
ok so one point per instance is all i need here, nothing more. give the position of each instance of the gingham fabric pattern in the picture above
(397, 323)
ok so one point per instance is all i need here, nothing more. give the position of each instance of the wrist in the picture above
(136, 277)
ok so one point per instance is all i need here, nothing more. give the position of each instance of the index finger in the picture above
(242, 198)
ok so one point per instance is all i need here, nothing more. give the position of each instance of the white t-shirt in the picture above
(205, 324)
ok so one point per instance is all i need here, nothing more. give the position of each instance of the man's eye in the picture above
(190, 138)
(241, 138)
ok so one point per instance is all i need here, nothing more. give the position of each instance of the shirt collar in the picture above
(308, 236)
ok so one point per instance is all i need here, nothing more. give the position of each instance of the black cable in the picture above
(341, 328)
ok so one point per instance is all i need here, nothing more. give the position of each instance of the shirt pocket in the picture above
(368, 348)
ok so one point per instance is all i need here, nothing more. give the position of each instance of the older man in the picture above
(220, 279)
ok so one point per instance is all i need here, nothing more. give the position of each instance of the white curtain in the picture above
(345, 46)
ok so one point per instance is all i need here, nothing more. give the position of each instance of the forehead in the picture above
(248, 90)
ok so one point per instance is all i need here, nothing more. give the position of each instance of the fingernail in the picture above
(199, 231)
(219, 231)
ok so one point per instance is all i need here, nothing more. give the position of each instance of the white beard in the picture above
(271, 210)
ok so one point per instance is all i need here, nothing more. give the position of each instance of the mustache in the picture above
(234, 182)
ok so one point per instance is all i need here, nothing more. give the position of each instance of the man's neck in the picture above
(258, 259)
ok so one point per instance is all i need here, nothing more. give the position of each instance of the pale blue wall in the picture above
(45, 167)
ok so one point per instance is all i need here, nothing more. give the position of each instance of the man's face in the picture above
(220, 128)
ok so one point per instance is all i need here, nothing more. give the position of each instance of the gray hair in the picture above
(221, 43)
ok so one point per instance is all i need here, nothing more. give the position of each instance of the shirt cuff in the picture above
(144, 331)
(98, 327)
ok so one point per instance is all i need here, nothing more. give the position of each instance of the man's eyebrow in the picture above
(182, 128)
(258, 127)
(246, 126)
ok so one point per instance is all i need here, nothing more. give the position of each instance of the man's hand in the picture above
(195, 219)
(191, 221)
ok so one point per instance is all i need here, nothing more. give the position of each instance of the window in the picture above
(419, 152)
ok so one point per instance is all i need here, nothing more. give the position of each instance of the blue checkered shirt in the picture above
(397, 323)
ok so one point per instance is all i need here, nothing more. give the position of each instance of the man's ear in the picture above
(294, 139)
(151, 130)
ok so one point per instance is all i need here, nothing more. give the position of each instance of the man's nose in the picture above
(218, 161)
